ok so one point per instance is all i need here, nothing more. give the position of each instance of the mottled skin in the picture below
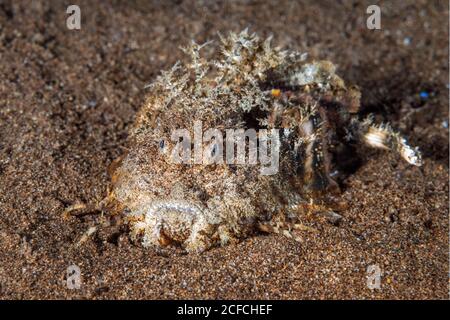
(198, 206)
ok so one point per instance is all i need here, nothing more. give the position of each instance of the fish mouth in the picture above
(168, 220)
(158, 208)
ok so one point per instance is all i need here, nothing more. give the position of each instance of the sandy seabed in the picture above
(67, 98)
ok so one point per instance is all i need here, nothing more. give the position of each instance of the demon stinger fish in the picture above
(248, 85)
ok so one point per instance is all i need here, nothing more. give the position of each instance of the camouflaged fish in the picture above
(248, 85)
